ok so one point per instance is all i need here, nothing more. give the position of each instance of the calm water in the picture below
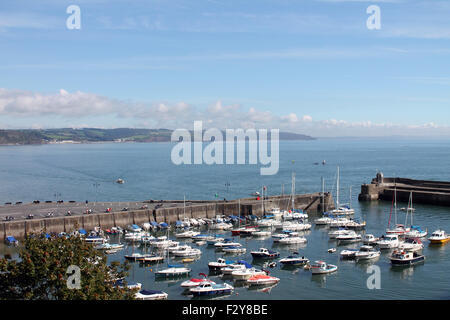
(38, 172)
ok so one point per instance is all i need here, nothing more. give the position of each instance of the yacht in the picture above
(388, 241)
(367, 253)
(411, 244)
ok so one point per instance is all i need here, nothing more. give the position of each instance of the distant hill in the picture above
(85, 135)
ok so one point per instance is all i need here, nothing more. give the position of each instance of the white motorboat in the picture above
(367, 253)
(294, 260)
(220, 226)
(286, 233)
(151, 295)
(187, 234)
(411, 244)
(207, 288)
(246, 274)
(339, 223)
(388, 241)
(323, 221)
(234, 250)
(321, 267)
(370, 239)
(349, 238)
(219, 264)
(261, 234)
(335, 233)
(178, 248)
(238, 266)
(348, 253)
(187, 252)
(295, 226)
(226, 243)
(292, 240)
(173, 271)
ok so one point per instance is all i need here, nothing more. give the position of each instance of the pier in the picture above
(145, 211)
(423, 191)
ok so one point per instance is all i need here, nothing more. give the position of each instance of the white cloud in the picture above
(81, 109)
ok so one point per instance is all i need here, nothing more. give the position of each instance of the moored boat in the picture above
(294, 260)
(405, 258)
(195, 282)
(265, 253)
(207, 288)
(151, 295)
(439, 237)
(262, 279)
(321, 267)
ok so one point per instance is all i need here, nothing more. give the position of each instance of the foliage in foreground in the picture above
(40, 273)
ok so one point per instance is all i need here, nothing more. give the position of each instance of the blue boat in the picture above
(294, 260)
(10, 240)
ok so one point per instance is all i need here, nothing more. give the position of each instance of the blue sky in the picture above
(308, 66)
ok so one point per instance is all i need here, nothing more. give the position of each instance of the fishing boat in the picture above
(173, 271)
(294, 260)
(219, 264)
(234, 249)
(321, 267)
(388, 241)
(207, 288)
(411, 244)
(262, 279)
(246, 274)
(195, 282)
(151, 295)
(439, 237)
(367, 253)
(405, 258)
(265, 253)
(348, 253)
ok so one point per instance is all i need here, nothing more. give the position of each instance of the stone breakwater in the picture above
(195, 209)
(423, 191)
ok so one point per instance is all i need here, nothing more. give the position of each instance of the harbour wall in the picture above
(201, 209)
(423, 191)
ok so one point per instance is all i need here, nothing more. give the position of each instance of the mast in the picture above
(395, 202)
(337, 189)
(293, 191)
(323, 195)
(350, 200)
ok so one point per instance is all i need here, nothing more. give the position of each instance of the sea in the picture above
(88, 172)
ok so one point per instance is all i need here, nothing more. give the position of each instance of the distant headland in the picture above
(91, 135)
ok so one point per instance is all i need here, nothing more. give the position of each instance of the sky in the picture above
(305, 66)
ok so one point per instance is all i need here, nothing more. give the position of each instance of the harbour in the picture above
(426, 280)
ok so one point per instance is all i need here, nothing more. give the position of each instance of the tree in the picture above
(40, 273)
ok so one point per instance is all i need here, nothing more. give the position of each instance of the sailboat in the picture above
(172, 270)
(415, 231)
(341, 209)
(399, 229)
